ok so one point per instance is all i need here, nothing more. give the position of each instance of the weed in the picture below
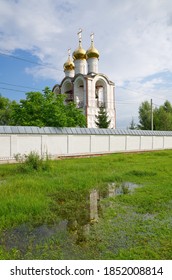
(32, 161)
(125, 189)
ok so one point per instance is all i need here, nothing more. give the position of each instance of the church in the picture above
(84, 85)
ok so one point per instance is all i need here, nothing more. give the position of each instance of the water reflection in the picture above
(77, 227)
(94, 197)
(81, 229)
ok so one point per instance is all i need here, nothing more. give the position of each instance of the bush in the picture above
(32, 161)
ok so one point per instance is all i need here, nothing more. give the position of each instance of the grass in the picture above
(44, 213)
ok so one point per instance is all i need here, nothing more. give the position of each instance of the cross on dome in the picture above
(80, 35)
(69, 50)
(92, 37)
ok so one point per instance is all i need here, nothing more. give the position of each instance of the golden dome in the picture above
(79, 53)
(68, 65)
(92, 52)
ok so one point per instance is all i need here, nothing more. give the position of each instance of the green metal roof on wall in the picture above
(78, 131)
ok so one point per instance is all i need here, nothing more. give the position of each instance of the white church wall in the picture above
(28, 143)
(117, 143)
(132, 143)
(54, 145)
(158, 142)
(73, 144)
(167, 142)
(5, 146)
(146, 143)
(78, 144)
(99, 143)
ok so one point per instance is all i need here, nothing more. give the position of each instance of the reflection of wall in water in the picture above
(94, 197)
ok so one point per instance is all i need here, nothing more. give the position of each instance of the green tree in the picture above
(162, 116)
(102, 119)
(74, 115)
(46, 109)
(145, 116)
(133, 126)
(6, 107)
(167, 106)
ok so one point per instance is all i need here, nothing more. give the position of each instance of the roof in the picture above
(78, 131)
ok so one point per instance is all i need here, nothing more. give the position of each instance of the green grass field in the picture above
(45, 214)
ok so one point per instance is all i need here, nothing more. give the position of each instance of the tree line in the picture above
(48, 109)
(41, 110)
(162, 117)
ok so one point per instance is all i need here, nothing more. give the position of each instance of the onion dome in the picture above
(92, 51)
(69, 65)
(79, 53)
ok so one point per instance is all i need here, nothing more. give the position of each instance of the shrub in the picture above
(32, 161)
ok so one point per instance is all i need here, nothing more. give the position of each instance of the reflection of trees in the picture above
(80, 225)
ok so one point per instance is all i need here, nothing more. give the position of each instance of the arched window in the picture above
(100, 93)
(79, 93)
(67, 89)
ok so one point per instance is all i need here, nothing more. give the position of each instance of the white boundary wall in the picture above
(57, 145)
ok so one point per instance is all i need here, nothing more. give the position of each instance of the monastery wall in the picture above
(68, 144)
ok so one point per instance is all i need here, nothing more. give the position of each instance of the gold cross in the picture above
(69, 52)
(92, 37)
(80, 34)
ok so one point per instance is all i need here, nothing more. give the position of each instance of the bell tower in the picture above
(84, 85)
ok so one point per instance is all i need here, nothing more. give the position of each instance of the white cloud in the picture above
(41, 72)
(134, 39)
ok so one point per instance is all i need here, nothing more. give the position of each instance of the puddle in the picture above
(24, 235)
(77, 228)
(123, 188)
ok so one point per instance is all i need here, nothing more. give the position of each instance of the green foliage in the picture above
(32, 161)
(41, 110)
(133, 126)
(102, 119)
(6, 107)
(162, 116)
(74, 116)
(145, 116)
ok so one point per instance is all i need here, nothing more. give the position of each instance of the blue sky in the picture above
(134, 39)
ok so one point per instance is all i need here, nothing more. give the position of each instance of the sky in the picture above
(133, 37)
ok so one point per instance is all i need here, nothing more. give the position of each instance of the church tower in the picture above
(84, 85)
